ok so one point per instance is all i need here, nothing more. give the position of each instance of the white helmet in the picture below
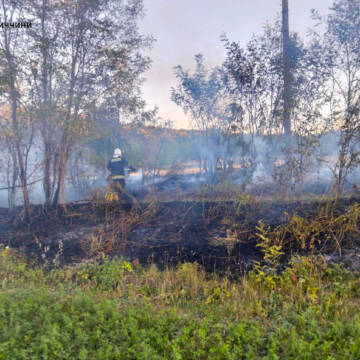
(117, 152)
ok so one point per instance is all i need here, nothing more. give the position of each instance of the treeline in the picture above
(282, 85)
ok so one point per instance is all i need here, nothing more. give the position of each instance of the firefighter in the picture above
(117, 166)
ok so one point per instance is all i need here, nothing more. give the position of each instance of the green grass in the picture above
(117, 311)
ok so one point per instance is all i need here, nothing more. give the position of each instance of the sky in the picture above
(184, 28)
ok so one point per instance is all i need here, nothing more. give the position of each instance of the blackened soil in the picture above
(220, 235)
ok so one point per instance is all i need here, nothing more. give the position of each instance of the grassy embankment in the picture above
(120, 311)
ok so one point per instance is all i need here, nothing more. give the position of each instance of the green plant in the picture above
(266, 274)
(106, 276)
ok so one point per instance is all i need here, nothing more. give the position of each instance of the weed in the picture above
(106, 276)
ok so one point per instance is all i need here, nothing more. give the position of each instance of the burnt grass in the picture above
(219, 235)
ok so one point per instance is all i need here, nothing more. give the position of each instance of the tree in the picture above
(287, 91)
(336, 56)
(9, 161)
(203, 95)
(43, 70)
(197, 94)
(18, 125)
(254, 80)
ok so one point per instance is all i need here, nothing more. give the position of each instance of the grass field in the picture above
(119, 310)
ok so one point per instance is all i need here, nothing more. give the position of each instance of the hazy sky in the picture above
(183, 28)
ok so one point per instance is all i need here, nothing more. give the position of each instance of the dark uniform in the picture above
(117, 167)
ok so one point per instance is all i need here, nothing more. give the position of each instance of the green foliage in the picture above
(106, 276)
(322, 228)
(267, 274)
(243, 200)
(272, 252)
(114, 311)
(14, 269)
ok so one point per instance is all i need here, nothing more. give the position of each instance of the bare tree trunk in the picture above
(13, 99)
(62, 169)
(12, 181)
(47, 185)
(286, 68)
(20, 156)
(342, 164)
(45, 105)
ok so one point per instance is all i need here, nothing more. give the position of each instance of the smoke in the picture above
(245, 161)
(134, 180)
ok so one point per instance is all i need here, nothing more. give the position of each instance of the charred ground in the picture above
(219, 234)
